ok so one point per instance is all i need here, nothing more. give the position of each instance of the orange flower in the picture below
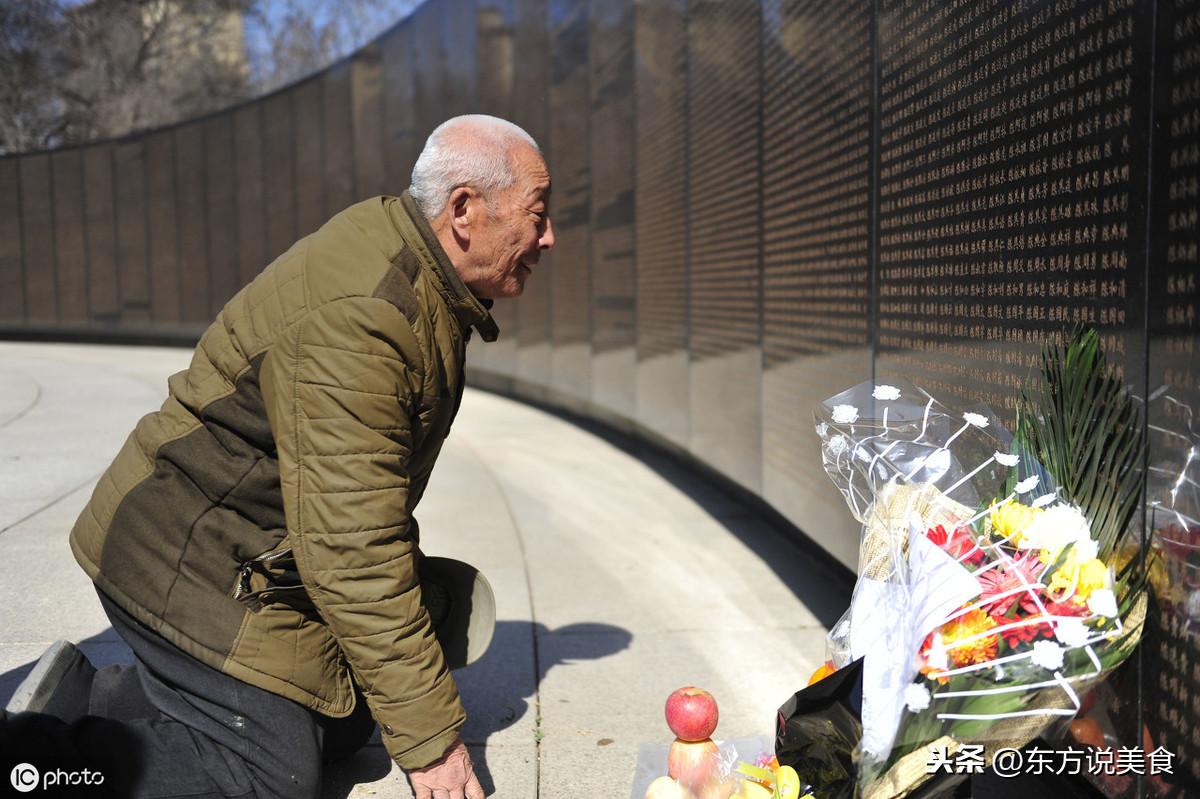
(934, 674)
(962, 645)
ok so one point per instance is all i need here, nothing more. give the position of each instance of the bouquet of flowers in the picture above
(996, 581)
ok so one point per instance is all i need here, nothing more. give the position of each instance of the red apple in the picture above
(695, 764)
(691, 713)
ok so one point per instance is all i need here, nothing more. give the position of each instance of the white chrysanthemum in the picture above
(916, 697)
(1044, 499)
(1085, 549)
(837, 445)
(1005, 459)
(822, 429)
(1072, 632)
(884, 392)
(1103, 602)
(1055, 527)
(999, 671)
(1026, 485)
(975, 419)
(1047, 654)
(845, 414)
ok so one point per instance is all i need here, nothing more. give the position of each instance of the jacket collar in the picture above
(468, 309)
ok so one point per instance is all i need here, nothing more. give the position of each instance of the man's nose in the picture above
(547, 239)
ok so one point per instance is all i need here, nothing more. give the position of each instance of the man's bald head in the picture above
(474, 150)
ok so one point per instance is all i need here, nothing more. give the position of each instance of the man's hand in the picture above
(452, 777)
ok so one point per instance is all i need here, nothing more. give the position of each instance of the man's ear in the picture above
(464, 205)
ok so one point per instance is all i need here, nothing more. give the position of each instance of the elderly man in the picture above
(254, 541)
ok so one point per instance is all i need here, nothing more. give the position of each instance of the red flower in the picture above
(1026, 632)
(1006, 577)
(1038, 629)
(960, 544)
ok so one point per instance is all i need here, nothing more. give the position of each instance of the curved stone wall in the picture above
(757, 204)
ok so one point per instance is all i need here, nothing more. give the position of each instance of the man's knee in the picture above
(293, 769)
(303, 783)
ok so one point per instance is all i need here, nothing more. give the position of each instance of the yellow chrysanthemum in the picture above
(1010, 519)
(1086, 577)
(961, 645)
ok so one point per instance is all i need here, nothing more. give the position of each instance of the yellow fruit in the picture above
(822, 672)
(751, 790)
(719, 790)
(787, 783)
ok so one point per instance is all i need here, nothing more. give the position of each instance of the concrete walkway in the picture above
(618, 578)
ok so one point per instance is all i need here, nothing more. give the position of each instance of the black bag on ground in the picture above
(818, 730)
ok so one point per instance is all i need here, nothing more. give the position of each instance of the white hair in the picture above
(471, 150)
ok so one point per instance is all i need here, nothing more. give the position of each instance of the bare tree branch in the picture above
(72, 71)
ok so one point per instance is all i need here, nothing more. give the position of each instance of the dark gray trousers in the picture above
(171, 726)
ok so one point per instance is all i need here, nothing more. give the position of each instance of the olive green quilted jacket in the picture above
(262, 519)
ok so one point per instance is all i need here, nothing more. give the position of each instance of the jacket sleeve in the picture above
(338, 388)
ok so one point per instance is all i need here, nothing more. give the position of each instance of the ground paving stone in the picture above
(618, 578)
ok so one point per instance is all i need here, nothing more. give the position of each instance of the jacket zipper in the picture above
(242, 590)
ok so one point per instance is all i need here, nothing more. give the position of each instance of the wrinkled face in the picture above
(509, 240)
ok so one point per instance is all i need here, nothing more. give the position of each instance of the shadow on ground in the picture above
(497, 691)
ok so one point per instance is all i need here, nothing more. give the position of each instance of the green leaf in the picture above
(1085, 429)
